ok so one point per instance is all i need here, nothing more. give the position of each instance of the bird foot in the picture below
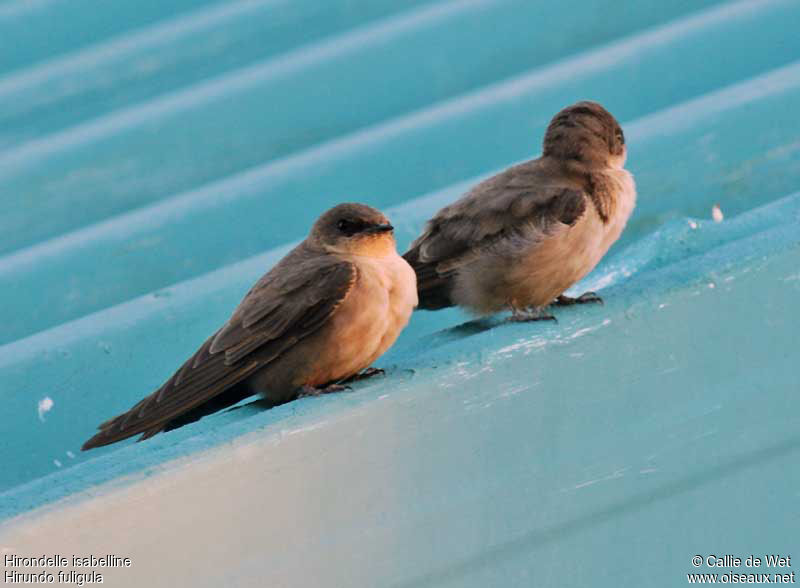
(530, 314)
(312, 391)
(585, 298)
(367, 373)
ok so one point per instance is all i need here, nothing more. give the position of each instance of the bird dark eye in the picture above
(620, 137)
(348, 227)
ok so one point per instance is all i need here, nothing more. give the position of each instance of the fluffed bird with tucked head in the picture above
(323, 314)
(519, 239)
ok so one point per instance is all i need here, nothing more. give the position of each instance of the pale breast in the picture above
(370, 318)
(571, 253)
(626, 202)
(568, 256)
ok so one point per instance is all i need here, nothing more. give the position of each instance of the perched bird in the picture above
(519, 239)
(325, 312)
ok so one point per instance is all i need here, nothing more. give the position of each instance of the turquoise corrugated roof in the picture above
(158, 157)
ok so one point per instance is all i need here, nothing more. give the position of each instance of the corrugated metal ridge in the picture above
(156, 157)
(254, 191)
(411, 215)
(281, 126)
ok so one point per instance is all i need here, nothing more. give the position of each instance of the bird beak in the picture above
(380, 228)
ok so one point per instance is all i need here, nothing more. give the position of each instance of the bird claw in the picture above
(306, 391)
(525, 316)
(585, 298)
(367, 373)
(340, 386)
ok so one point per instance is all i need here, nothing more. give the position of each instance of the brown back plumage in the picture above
(530, 198)
(523, 198)
(288, 304)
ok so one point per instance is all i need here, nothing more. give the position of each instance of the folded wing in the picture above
(287, 305)
(513, 203)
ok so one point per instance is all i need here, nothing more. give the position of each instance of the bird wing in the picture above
(518, 201)
(287, 305)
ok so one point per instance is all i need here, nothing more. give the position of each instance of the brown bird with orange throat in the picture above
(519, 239)
(325, 312)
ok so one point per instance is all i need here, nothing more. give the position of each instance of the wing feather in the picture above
(518, 202)
(288, 304)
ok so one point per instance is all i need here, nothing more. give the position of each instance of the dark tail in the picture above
(433, 289)
(202, 385)
(222, 401)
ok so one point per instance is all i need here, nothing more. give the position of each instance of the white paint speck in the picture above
(523, 344)
(305, 429)
(514, 391)
(603, 281)
(716, 213)
(712, 285)
(692, 224)
(70, 455)
(612, 476)
(45, 404)
(58, 463)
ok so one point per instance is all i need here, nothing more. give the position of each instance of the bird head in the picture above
(588, 133)
(354, 228)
